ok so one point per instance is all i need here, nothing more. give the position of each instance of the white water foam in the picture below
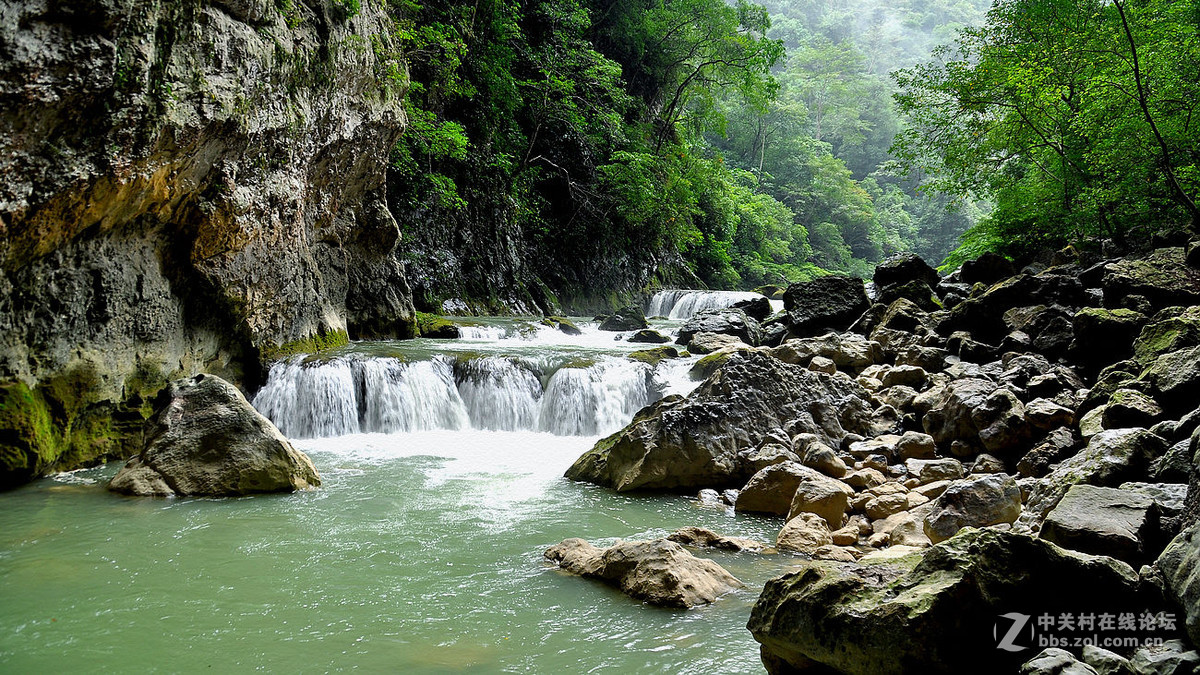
(684, 304)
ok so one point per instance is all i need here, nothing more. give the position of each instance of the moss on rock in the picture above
(311, 345)
(434, 326)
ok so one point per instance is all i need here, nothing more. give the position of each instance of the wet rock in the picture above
(704, 538)
(657, 572)
(896, 618)
(568, 327)
(805, 533)
(206, 439)
(625, 319)
(694, 442)
(655, 356)
(1102, 521)
(975, 502)
(649, 336)
(732, 322)
(757, 308)
(712, 343)
(832, 302)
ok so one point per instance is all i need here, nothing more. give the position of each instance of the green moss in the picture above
(28, 441)
(434, 326)
(312, 345)
(655, 356)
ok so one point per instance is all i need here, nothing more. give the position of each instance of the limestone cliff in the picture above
(185, 185)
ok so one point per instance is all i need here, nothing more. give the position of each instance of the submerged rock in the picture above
(704, 538)
(657, 572)
(206, 439)
(695, 442)
(932, 612)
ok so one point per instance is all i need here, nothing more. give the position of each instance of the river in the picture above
(442, 467)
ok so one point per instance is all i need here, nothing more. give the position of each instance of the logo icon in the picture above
(1009, 642)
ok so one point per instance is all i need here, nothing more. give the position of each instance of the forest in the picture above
(778, 142)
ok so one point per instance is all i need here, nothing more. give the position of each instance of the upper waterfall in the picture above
(683, 304)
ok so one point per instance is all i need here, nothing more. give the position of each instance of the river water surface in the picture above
(442, 467)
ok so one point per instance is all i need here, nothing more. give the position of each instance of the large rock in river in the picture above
(832, 302)
(658, 572)
(939, 611)
(691, 443)
(206, 439)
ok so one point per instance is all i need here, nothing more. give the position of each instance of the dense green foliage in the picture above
(650, 129)
(1075, 116)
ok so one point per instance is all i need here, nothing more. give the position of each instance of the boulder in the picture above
(822, 458)
(772, 488)
(1130, 408)
(565, 325)
(711, 343)
(902, 268)
(1176, 378)
(1103, 521)
(933, 470)
(826, 498)
(832, 302)
(1055, 661)
(951, 417)
(848, 351)
(919, 293)
(1103, 336)
(1168, 331)
(653, 357)
(1111, 457)
(726, 321)
(769, 454)
(986, 269)
(657, 572)
(694, 442)
(1105, 662)
(805, 533)
(703, 538)
(626, 318)
(1172, 657)
(206, 439)
(932, 611)
(649, 336)
(756, 308)
(976, 502)
(1179, 564)
(1163, 278)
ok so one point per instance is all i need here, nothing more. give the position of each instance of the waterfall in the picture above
(683, 304)
(362, 394)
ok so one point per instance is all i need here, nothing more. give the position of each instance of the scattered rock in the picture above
(657, 572)
(704, 538)
(206, 439)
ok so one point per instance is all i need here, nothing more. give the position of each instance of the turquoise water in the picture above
(421, 553)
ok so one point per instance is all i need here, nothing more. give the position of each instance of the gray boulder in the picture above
(1055, 661)
(1180, 568)
(727, 321)
(990, 499)
(832, 302)
(657, 572)
(772, 488)
(1103, 521)
(694, 442)
(206, 439)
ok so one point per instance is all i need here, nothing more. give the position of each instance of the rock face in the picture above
(657, 572)
(206, 439)
(694, 442)
(186, 187)
(932, 612)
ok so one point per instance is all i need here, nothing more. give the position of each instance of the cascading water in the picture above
(362, 394)
(683, 304)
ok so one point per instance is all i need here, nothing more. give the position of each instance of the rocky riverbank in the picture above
(954, 456)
